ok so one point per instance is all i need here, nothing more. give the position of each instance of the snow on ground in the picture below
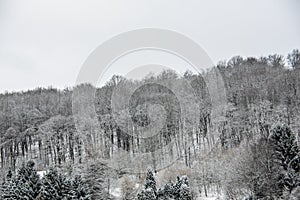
(116, 192)
(41, 173)
(211, 195)
(116, 187)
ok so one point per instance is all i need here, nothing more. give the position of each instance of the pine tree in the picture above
(55, 186)
(150, 181)
(181, 189)
(285, 147)
(8, 187)
(28, 181)
(166, 192)
(176, 188)
(185, 193)
(147, 194)
(178, 191)
(286, 155)
(149, 191)
(96, 179)
(49, 185)
(80, 189)
(9, 174)
(25, 185)
(10, 190)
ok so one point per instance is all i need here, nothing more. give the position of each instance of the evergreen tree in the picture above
(25, 185)
(178, 191)
(8, 189)
(176, 188)
(149, 191)
(147, 194)
(80, 189)
(185, 193)
(96, 179)
(28, 181)
(166, 192)
(150, 181)
(286, 155)
(9, 174)
(55, 186)
(285, 148)
(181, 189)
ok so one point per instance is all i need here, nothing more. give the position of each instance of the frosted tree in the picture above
(181, 189)
(149, 191)
(150, 181)
(25, 185)
(146, 194)
(80, 189)
(96, 175)
(55, 186)
(178, 191)
(28, 180)
(9, 188)
(185, 192)
(166, 192)
(286, 155)
(294, 58)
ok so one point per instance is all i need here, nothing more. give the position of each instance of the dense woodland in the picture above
(251, 150)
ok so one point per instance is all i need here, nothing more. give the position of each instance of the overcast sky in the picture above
(45, 43)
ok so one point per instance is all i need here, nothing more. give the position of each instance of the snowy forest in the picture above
(251, 151)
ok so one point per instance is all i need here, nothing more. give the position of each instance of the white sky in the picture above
(44, 43)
